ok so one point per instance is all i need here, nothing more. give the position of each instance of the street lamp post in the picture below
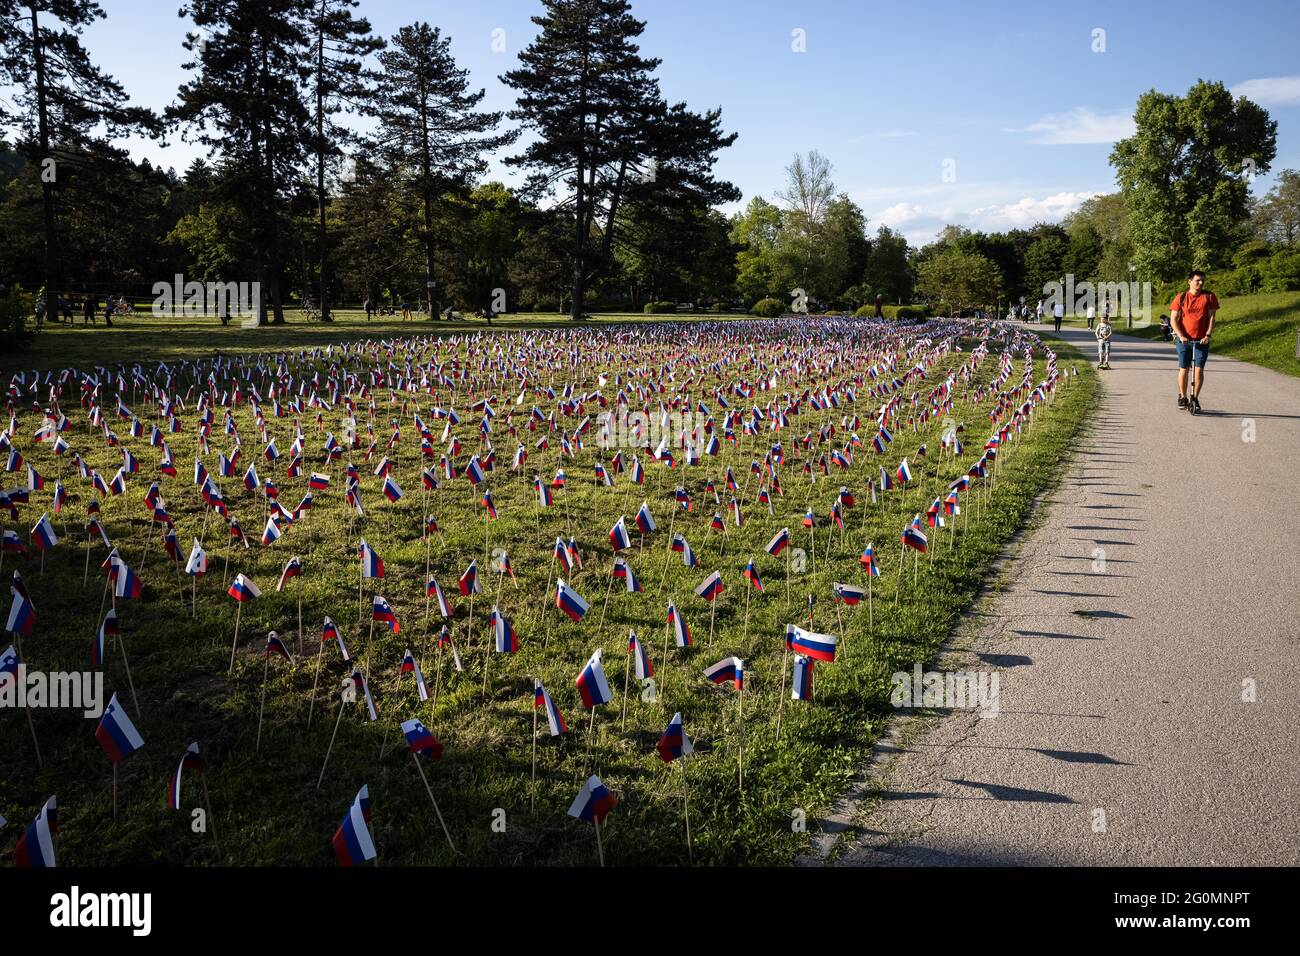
(1131, 270)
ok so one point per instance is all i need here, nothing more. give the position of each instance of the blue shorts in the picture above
(1190, 352)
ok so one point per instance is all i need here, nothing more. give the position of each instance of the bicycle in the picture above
(309, 311)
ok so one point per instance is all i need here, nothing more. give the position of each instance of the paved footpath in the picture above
(1122, 691)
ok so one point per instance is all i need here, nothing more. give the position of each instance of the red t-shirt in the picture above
(1194, 312)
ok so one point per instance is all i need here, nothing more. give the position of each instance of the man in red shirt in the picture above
(1192, 315)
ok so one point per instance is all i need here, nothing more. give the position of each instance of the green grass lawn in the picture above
(267, 808)
(164, 340)
(1253, 328)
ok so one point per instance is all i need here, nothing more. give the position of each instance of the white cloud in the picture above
(1270, 90)
(920, 224)
(1079, 125)
(1026, 212)
(899, 214)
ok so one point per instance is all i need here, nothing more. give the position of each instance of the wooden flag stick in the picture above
(532, 786)
(32, 726)
(686, 813)
(370, 639)
(627, 672)
(839, 617)
(780, 706)
(437, 682)
(871, 617)
(787, 578)
(605, 607)
(239, 606)
(115, 791)
(85, 577)
(261, 710)
(311, 708)
(330, 748)
(740, 715)
(663, 677)
(600, 851)
(144, 552)
(429, 790)
(300, 638)
(211, 818)
(902, 555)
(590, 729)
(668, 551)
(747, 585)
(121, 642)
(712, 606)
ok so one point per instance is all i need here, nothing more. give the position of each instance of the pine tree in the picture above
(248, 104)
(604, 132)
(62, 97)
(340, 83)
(431, 134)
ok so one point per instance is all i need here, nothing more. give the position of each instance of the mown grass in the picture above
(143, 338)
(267, 808)
(1260, 329)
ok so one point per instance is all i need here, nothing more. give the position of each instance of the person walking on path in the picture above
(1039, 312)
(1058, 313)
(88, 310)
(1192, 315)
(1103, 332)
(1091, 315)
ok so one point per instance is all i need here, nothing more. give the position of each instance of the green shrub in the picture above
(768, 308)
(716, 307)
(896, 312)
(15, 308)
(1281, 272)
(1240, 281)
(660, 308)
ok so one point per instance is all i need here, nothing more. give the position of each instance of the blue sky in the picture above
(1009, 99)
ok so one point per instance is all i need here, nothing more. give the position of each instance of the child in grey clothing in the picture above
(1103, 332)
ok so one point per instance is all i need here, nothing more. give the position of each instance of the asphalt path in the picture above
(1147, 644)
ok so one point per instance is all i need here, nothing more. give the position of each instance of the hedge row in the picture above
(904, 312)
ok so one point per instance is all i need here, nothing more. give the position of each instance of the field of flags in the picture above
(467, 599)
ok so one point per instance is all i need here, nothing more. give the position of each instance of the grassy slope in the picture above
(268, 811)
(1253, 328)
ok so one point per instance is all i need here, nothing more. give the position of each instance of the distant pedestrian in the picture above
(369, 307)
(1058, 314)
(406, 310)
(1039, 312)
(88, 310)
(880, 313)
(110, 304)
(1091, 314)
(1104, 332)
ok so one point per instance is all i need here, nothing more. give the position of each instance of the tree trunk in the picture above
(320, 159)
(426, 195)
(614, 200)
(51, 260)
(580, 211)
